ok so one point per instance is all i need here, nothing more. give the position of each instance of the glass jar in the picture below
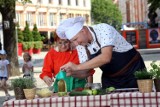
(96, 86)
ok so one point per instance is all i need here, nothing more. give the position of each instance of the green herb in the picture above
(155, 69)
(143, 74)
(18, 82)
(29, 83)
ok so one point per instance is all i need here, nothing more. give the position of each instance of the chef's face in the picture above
(80, 39)
(63, 45)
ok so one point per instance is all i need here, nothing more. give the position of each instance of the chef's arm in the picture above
(103, 58)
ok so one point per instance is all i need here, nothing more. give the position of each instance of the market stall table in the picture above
(118, 99)
(75, 101)
(135, 99)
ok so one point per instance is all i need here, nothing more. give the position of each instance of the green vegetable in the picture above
(88, 91)
(94, 92)
(110, 89)
(78, 93)
(62, 94)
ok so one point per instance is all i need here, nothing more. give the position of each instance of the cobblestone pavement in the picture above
(147, 58)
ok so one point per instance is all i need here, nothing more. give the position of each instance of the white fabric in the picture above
(68, 28)
(107, 36)
(82, 54)
(3, 68)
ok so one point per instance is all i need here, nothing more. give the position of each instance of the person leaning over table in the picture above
(58, 56)
(108, 50)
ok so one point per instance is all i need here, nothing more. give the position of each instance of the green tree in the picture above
(27, 33)
(153, 6)
(105, 11)
(20, 35)
(36, 34)
(7, 9)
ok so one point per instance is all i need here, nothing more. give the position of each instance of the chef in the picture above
(106, 48)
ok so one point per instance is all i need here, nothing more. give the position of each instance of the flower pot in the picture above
(29, 93)
(36, 51)
(157, 84)
(20, 48)
(19, 94)
(30, 51)
(145, 85)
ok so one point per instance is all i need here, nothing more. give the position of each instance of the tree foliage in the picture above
(154, 4)
(20, 35)
(105, 11)
(36, 34)
(27, 33)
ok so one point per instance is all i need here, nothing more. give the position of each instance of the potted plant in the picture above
(27, 47)
(30, 90)
(18, 85)
(20, 40)
(155, 69)
(37, 47)
(28, 38)
(144, 80)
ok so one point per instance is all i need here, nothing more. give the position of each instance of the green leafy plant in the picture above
(143, 74)
(18, 82)
(36, 34)
(29, 83)
(38, 45)
(30, 45)
(27, 45)
(27, 33)
(20, 35)
(155, 69)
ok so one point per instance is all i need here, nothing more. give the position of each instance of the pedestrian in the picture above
(5, 70)
(57, 56)
(27, 67)
(108, 50)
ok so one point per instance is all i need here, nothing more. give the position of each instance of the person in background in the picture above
(5, 70)
(108, 50)
(57, 56)
(27, 68)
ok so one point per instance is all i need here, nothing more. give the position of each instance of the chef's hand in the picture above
(69, 68)
(72, 70)
(48, 80)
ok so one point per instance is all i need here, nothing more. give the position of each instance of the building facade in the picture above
(47, 14)
(133, 11)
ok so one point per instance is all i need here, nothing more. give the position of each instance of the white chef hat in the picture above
(68, 28)
(2, 52)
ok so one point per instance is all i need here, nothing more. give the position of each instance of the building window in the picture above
(87, 18)
(50, 1)
(69, 2)
(84, 3)
(51, 19)
(39, 1)
(41, 19)
(29, 18)
(78, 15)
(77, 3)
(19, 18)
(62, 16)
(60, 2)
(70, 15)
